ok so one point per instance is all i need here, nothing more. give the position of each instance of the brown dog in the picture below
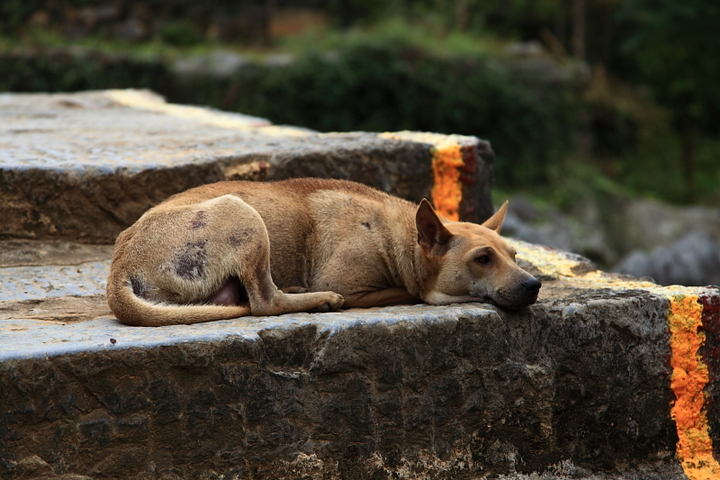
(248, 248)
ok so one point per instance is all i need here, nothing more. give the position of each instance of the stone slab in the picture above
(579, 382)
(604, 378)
(53, 280)
(85, 166)
(28, 283)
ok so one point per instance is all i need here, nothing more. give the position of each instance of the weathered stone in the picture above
(85, 166)
(53, 280)
(21, 252)
(574, 386)
(460, 391)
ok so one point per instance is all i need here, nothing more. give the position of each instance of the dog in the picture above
(236, 248)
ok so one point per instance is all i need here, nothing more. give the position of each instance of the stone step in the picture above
(85, 166)
(53, 280)
(605, 377)
(578, 383)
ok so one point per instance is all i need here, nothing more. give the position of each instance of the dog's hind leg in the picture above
(241, 243)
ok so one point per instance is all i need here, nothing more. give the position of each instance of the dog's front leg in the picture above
(380, 298)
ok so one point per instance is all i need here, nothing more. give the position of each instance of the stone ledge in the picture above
(85, 166)
(603, 374)
(462, 391)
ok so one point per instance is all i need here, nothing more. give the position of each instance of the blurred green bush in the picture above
(363, 86)
(69, 71)
(380, 87)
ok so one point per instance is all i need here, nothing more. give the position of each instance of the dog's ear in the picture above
(495, 222)
(431, 231)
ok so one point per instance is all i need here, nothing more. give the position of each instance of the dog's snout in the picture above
(532, 285)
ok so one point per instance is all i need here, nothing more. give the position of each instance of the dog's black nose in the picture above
(532, 284)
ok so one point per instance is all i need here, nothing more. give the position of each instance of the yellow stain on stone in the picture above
(146, 100)
(447, 159)
(689, 373)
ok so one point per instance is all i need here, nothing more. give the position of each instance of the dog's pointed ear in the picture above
(431, 231)
(495, 222)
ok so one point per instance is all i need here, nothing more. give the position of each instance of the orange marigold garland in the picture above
(447, 189)
(688, 381)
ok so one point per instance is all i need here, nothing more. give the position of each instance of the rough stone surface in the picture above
(53, 280)
(577, 383)
(576, 386)
(85, 166)
(447, 391)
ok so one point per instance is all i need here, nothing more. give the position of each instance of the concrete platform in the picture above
(604, 378)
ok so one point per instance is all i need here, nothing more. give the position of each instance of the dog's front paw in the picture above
(337, 303)
(333, 303)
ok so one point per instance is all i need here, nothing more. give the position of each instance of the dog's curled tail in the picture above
(133, 310)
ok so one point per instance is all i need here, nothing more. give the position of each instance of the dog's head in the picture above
(471, 262)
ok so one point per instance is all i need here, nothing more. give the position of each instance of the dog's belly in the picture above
(231, 293)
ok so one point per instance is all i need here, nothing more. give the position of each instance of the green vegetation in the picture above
(64, 71)
(379, 86)
(644, 122)
(676, 45)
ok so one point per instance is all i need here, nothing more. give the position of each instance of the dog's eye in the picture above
(483, 259)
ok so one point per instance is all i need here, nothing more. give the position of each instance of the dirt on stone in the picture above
(56, 309)
(22, 252)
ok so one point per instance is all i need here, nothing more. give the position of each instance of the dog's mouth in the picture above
(521, 296)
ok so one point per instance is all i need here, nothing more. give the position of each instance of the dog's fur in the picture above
(231, 249)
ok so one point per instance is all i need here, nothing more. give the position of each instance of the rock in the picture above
(692, 260)
(619, 233)
(582, 232)
(220, 64)
(547, 227)
(586, 383)
(85, 166)
(578, 383)
(651, 224)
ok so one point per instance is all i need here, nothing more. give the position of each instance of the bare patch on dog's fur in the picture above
(190, 263)
(200, 220)
(239, 237)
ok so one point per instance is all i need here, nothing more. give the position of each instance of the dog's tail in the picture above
(133, 310)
